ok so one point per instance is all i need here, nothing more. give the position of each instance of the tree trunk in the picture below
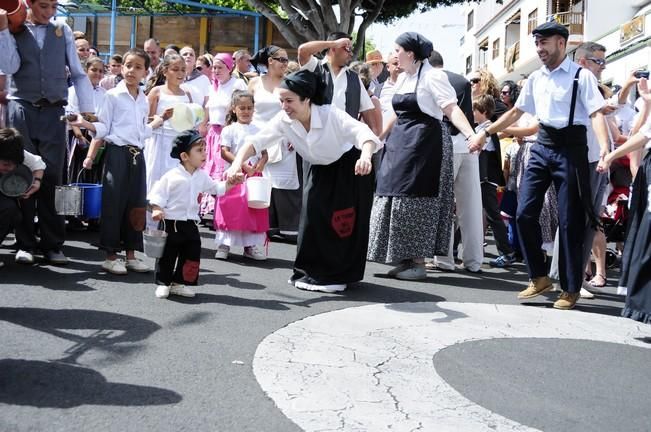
(309, 20)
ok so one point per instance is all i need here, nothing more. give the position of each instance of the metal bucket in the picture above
(68, 200)
(154, 242)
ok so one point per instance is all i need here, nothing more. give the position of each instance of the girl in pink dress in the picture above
(237, 224)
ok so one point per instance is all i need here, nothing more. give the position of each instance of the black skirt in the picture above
(333, 232)
(636, 262)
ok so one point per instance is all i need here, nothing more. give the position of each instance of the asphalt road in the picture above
(83, 350)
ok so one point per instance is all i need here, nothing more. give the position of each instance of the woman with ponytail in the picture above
(219, 101)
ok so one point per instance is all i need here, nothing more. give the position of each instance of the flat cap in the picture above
(551, 28)
(183, 142)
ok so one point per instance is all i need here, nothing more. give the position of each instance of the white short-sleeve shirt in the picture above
(548, 95)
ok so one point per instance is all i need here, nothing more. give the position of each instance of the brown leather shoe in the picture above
(566, 300)
(536, 287)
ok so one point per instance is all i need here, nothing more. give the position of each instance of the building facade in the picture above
(498, 35)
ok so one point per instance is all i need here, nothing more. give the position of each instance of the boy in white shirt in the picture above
(123, 127)
(174, 199)
(12, 154)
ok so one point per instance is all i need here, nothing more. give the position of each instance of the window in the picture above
(468, 64)
(483, 53)
(533, 20)
(496, 49)
(471, 19)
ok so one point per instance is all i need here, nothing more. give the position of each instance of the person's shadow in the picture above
(58, 385)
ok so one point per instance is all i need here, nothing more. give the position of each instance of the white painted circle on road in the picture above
(370, 368)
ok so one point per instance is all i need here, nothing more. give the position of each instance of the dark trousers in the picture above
(493, 217)
(45, 135)
(180, 260)
(546, 165)
(124, 195)
(9, 215)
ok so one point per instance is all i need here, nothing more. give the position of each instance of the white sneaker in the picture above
(254, 253)
(115, 266)
(137, 266)
(24, 257)
(162, 291)
(415, 272)
(585, 294)
(181, 290)
(322, 288)
(222, 252)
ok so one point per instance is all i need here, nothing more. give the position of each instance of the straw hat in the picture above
(373, 57)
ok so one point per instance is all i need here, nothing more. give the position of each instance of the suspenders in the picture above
(575, 90)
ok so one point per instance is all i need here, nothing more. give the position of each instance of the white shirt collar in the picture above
(565, 66)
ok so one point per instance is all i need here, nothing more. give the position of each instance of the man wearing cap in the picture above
(566, 100)
(344, 89)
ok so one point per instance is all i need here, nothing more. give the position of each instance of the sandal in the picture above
(598, 278)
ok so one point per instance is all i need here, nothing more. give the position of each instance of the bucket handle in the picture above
(79, 174)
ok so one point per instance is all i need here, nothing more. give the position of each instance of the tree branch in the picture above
(330, 19)
(369, 18)
(288, 32)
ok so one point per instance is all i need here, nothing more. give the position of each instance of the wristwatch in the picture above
(488, 135)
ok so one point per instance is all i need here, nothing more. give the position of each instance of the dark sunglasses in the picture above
(474, 81)
(506, 93)
(283, 60)
(598, 61)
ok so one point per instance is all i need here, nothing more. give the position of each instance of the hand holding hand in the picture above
(237, 178)
(476, 142)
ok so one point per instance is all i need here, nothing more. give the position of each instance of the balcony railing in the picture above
(572, 20)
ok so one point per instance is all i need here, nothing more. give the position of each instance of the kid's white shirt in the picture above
(178, 192)
(234, 137)
(123, 119)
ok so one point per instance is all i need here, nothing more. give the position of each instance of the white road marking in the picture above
(370, 368)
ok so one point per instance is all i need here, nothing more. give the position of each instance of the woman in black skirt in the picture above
(338, 186)
(635, 278)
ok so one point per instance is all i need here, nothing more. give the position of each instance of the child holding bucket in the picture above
(235, 222)
(123, 127)
(13, 154)
(174, 199)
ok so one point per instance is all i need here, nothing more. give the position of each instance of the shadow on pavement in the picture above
(58, 385)
(110, 328)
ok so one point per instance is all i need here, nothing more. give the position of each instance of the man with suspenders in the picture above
(565, 98)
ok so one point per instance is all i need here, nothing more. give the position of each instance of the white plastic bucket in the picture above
(153, 242)
(258, 192)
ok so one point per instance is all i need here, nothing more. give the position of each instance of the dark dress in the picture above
(410, 218)
(636, 262)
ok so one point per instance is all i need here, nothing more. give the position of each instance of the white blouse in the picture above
(177, 192)
(198, 88)
(220, 100)
(434, 89)
(332, 133)
(234, 137)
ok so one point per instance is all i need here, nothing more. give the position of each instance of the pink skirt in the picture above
(214, 165)
(232, 213)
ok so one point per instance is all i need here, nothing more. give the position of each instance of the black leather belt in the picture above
(44, 103)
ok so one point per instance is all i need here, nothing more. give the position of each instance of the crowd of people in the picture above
(383, 160)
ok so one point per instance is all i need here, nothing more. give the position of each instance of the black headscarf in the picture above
(305, 84)
(262, 56)
(416, 43)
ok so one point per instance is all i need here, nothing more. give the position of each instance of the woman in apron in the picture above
(406, 211)
(338, 187)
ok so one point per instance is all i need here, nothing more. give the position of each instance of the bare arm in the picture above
(634, 143)
(308, 49)
(236, 166)
(369, 117)
(458, 119)
(521, 132)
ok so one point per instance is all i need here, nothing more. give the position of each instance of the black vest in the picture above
(353, 88)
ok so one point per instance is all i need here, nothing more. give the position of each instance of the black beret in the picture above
(183, 142)
(551, 28)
